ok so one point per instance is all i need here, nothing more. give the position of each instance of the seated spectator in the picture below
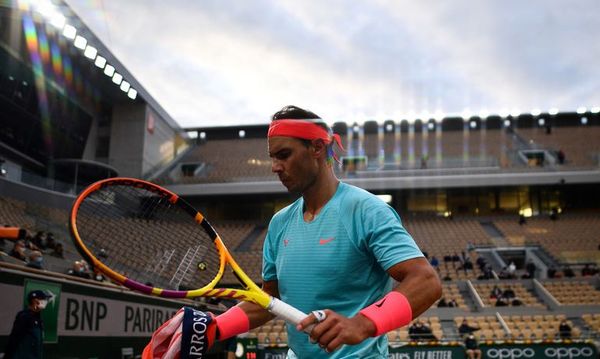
(452, 303)
(564, 330)
(560, 155)
(465, 328)
(447, 278)
(420, 332)
(487, 273)
(38, 240)
(448, 258)
(588, 271)
(530, 268)
(455, 257)
(501, 302)
(496, 292)
(481, 263)
(551, 272)
(35, 260)
(512, 269)
(58, 251)
(522, 220)
(472, 347)
(79, 270)
(18, 251)
(508, 293)
(442, 303)
(568, 272)
(435, 263)
(50, 241)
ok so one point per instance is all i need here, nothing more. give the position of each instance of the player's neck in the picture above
(317, 196)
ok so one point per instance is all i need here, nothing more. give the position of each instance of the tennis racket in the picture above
(150, 240)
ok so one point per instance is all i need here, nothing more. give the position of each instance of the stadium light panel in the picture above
(581, 110)
(242, 133)
(202, 135)
(100, 62)
(553, 111)
(389, 127)
(117, 78)
(473, 124)
(504, 113)
(132, 93)
(125, 86)
(80, 42)
(58, 21)
(355, 128)
(506, 123)
(536, 112)
(109, 70)
(69, 32)
(430, 126)
(541, 122)
(515, 112)
(584, 120)
(90, 52)
(387, 198)
(595, 109)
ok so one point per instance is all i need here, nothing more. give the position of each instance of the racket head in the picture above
(148, 239)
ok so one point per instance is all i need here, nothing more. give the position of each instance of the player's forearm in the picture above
(422, 288)
(256, 314)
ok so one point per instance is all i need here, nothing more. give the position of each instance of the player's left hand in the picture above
(336, 330)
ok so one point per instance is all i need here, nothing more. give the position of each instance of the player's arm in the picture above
(419, 287)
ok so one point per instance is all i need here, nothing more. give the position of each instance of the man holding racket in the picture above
(335, 253)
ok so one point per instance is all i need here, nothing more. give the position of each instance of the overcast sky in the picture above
(226, 62)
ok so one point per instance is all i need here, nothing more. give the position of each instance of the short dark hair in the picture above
(295, 113)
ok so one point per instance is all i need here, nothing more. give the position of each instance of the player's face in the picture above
(293, 162)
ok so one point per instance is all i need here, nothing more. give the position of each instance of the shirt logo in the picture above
(286, 242)
(378, 305)
(325, 240)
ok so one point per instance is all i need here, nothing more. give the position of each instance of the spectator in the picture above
(26, 336)
(442, 303)
(522, 220)
(35, 260)
(481, 263)
(487, 273)
(472, 347)
(58, 251)
(496, 292)
(516, 302)
(452, 303)
(455, 257)
(38, 240)
(568, 272)
(551, 272)
(435, 263)
(79, 270)
(465, 328)
(18, 251)
(564, 330)
(530, 268)
(420, 332)
(50, 241)
(501, 302)
(560, 155)
(508, 293)
(512, 269)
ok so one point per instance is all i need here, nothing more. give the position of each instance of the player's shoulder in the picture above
(353, 196)
(283, 214)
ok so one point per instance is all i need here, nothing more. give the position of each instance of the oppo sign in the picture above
(523, 353)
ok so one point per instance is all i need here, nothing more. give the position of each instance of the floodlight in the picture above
(506, 123)
(581, 110)
(536, 112)
(389, 127)
(125, 86)
(242, 133)
(132, 93)
(80, 42)
(117, 78)
(595, 109)
(473, 124)
(202, 135)
(90, 52)
(69, 32)
(430, 126)
(541, 122)
(553, 111)
(100, 62)
(109, 70)
(58, 21)
(515, 112)
(584, 120)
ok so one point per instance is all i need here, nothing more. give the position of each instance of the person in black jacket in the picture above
(27, 334)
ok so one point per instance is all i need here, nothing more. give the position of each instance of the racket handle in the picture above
(288, 313)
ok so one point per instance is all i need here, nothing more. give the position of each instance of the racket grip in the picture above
(288, 313)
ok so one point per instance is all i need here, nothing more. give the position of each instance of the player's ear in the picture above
(319, 148)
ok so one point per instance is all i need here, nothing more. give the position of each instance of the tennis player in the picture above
(338, 252)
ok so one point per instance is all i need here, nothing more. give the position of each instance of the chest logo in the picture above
(286, 242)
(323, 241)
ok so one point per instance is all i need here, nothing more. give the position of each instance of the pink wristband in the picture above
(389, 313)
(233, 322)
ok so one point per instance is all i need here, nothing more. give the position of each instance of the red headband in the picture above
(304, 129)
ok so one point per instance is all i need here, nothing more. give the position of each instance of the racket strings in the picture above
(145, 237)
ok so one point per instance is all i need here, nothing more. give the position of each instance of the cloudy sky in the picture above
(226, 62)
